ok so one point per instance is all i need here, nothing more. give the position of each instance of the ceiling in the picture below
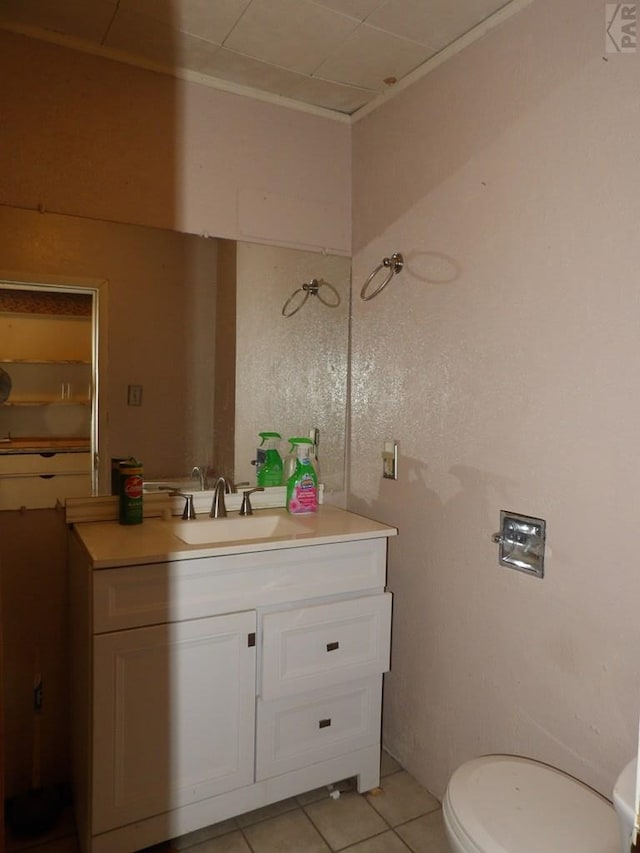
(337, 55)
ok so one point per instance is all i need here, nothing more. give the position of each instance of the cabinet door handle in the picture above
(323, 724)
(46, 476)
(331, 647)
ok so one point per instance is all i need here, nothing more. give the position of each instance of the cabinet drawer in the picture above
(36, 492)
(298, 731)
(313, 647)
(37, 463)
(133, 596)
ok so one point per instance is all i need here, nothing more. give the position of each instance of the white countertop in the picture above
(110, 544)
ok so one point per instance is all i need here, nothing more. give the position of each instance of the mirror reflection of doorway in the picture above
(48, 393)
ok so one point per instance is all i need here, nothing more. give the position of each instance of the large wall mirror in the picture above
(196, 325)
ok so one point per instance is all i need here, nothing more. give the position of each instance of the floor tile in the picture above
(265, 812)
(200, 835)
(388, 842)
(402, 799)
(388, 764)
(234, 842)
(286, 833)
(346, 820)
(425, 834)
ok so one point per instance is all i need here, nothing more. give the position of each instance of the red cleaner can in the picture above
(130, 492)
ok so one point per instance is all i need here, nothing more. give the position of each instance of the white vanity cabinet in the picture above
(209, 685)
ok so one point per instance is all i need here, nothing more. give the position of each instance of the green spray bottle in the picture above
(302, 485)
(269, 460)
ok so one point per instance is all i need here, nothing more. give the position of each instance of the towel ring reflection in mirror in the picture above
(394, 264)
(297, 299)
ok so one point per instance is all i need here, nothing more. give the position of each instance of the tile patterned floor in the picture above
(402, 816)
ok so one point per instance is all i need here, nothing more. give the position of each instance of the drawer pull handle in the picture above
(331, 647)
(323, 724)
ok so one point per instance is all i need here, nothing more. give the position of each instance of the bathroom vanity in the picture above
(210, 679)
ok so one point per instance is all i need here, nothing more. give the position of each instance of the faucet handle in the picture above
(245, 507)
(188, 512)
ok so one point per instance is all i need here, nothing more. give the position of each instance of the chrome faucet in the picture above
(222, 487)
(200, 471)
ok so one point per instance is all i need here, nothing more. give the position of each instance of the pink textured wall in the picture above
(504, 359)
(91, 137)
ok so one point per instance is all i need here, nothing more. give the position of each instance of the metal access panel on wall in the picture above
(522, 542)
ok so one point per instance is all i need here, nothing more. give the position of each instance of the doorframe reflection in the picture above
(97, 289)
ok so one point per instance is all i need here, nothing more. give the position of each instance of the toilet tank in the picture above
(624, 795)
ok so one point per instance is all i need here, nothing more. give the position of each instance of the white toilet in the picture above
(506, 804)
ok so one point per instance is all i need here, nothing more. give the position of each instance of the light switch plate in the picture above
(390, 460)
(134, 395)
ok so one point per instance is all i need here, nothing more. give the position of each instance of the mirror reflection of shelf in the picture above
(41, 382)
(16, 401)
(43, 361)
(48, 397)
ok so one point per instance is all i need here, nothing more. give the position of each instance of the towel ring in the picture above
(311, 288)
(395, 264)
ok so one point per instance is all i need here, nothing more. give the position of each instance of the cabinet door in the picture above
(174, 709)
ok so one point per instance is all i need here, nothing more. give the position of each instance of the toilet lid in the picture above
(505, 804)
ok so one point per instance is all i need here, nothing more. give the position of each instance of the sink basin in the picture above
(237, 529)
